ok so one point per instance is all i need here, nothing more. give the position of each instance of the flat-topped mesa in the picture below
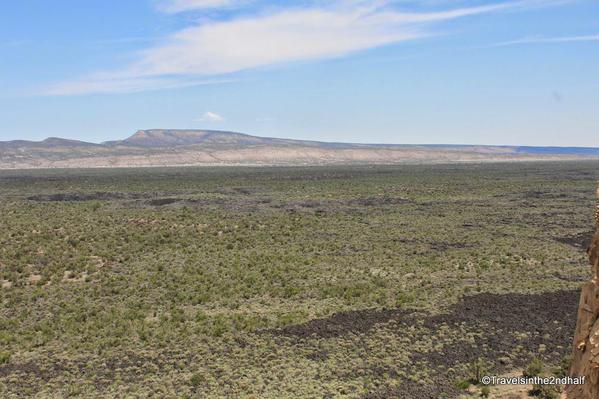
(585, 351)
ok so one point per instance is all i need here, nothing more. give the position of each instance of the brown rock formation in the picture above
(585, 353)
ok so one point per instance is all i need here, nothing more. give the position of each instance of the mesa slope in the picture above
(180, 147)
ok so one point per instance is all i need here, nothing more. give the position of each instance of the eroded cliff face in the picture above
(585, 353)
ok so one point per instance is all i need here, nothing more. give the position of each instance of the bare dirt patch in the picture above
(236, 190)
(162, 201)
(76, 197)
(359, 321)
(516, 312)
(334, 205)
(579, 241)
(378, 201)
(441, 246)
(503, 326)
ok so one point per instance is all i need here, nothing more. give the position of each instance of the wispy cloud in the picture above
(210, 117)
(220, 47)
(112, 83)
(541, 40)
(126, 40)
(175, 6)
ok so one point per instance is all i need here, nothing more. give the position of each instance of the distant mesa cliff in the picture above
(158, 138)
(178, 147)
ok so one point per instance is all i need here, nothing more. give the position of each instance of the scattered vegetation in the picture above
(534, 369)
(350, 282)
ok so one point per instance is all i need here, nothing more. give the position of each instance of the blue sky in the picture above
(521, 72)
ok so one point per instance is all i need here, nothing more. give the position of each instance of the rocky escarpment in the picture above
(585, 353)
(185, 147)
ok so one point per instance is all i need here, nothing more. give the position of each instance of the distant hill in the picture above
(174, 138)
(49, 143)
(172, 147)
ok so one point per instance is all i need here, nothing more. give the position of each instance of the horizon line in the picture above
(309, 140)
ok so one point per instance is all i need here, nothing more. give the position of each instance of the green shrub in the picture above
(463, 384)
(546, 391)
(4, 357)
(534, 368)
(196, 380)
(477, 370)
(485, 391)
(563, 369)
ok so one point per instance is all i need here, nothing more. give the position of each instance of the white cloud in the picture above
(226, 47)
(113, 83)
(539, 40)
(221, 47)
(175, 6)
(211, 117)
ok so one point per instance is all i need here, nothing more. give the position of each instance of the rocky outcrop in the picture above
(585, 353)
